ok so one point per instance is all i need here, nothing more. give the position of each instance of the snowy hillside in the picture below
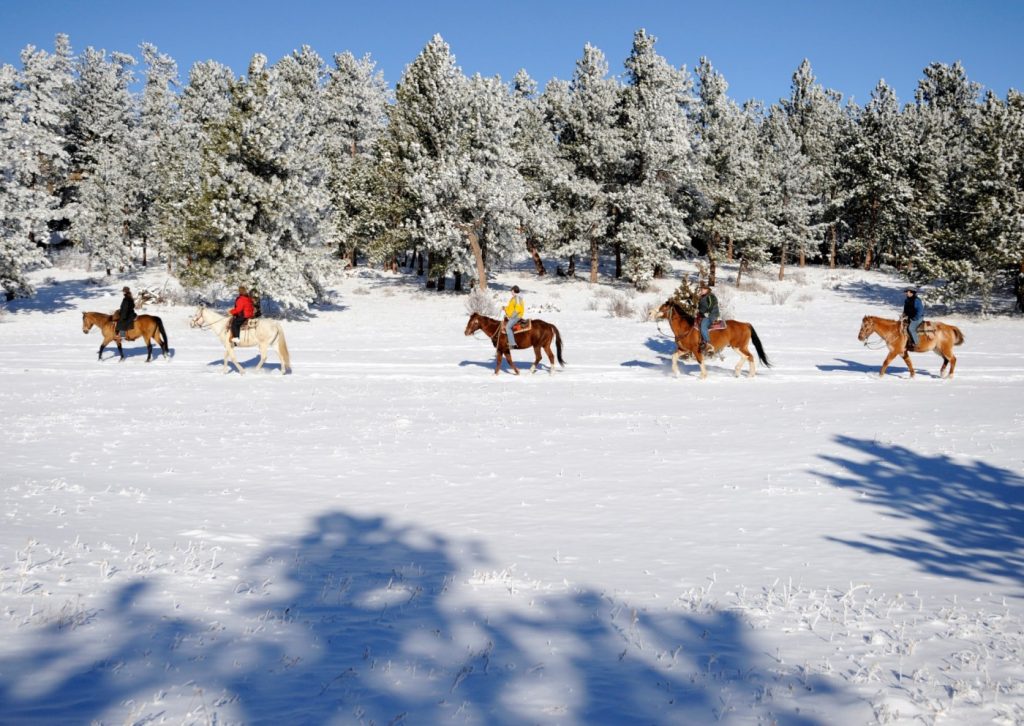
(392, 534)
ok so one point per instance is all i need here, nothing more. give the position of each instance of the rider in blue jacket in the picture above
(913, 311)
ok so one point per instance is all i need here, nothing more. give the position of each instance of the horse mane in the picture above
(680, 311)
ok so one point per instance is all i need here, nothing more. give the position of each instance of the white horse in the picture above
(263, 334)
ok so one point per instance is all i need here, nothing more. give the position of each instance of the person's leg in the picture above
(509, 329)
(236, 325)
(705, 330)
(912, 331)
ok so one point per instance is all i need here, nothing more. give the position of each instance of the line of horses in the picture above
(937, 337)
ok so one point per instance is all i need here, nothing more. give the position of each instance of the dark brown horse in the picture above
(538, 336)
(149, 327)
(937, 337)
(736, 335)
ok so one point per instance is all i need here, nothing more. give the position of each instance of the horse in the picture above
(264, 333)
(538, 336)
(149, 327)
(736, 335)
(934, 336)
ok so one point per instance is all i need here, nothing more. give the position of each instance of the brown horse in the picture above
(149, 327)
(937, 337)
(736, 335)
(538, 336)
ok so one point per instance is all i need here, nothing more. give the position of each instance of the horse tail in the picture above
(759, 347)
(282, 350)
(164, 342)
(959, 335)
(558, 345)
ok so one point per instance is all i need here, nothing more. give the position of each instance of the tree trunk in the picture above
(145, 249)
(473, 234)
(593, 260)
(868, 255)
(458, 281)
(538, 263)
(1020, 287)
(394, 263)
(352, 255)
(441, 282)
(739, 273)
(431, 282)
(712, 261)
(618, 261)
(832, 246)
(803, 258)
(571, 272)
(419, 263)
(782, 261)
(728, 249)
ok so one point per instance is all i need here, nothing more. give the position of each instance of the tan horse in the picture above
(264, 333)
(937, 337)
(538, 336)
(149, 327)
(736, 335)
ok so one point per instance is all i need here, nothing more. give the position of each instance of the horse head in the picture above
(660, 313)
(199, 319)
(867, 327)
(474, 323)
(86, 323)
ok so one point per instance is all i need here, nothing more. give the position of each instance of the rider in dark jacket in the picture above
(126, 313)
(707, 309)
(913, 311)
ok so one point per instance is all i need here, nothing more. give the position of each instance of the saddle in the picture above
(717, 325)
(520, 327)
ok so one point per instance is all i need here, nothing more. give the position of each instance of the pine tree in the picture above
(104, 157)
(155, 143)
(876, 163)
(18, 252)
(355, 102)
(658, 159)
(586, 117)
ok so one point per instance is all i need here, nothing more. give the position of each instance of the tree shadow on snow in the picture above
(363, 620)
(973, 512)
(64, 295)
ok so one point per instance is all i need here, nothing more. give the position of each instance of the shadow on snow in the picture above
(972, 513)
(357, 620)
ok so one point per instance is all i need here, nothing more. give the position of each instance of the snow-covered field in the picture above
(392, 534)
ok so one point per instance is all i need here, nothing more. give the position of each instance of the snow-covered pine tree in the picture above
(658, 161)
(33, 160)
(258, 218)
(104, 157)
(727, 169)
(451, 141)
(875, 169)
(822, 128)
(539, 165)
(586, 117)
(946, 115)
(355, 103)
(204, 105)
(792, 199)
(18, 251)
(155, 141)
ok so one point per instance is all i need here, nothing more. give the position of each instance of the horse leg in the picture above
(910, 365)
(886, 362)
(551, 356)
(952, 362)
(536, 362)
(675, 362)
(497, 361)
(700, 361)
(149, 349)
(120, 350)
(263, 355)
(512, 363)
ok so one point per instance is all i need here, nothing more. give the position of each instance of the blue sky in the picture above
(756, 45)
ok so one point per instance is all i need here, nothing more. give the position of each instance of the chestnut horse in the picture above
(149, 327)
(933, 336)
(538, 336)
(736, 335)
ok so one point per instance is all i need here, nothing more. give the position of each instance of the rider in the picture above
(242, 311)
(514, 312)
(707, 310)
(913, 312)
(125, 314)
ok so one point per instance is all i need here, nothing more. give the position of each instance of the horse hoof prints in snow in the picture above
(538, 335)
(936, 337)
(734, 335)
(148, 327)
(259, 331)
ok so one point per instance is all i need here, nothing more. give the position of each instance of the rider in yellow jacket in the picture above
(514, 312)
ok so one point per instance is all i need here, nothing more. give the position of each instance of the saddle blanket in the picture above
(521, 327)
(717, 325)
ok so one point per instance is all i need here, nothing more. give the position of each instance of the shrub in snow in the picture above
(479, 301)
(620, 307)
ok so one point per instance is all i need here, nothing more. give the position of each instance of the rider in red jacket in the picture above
(242, 311)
